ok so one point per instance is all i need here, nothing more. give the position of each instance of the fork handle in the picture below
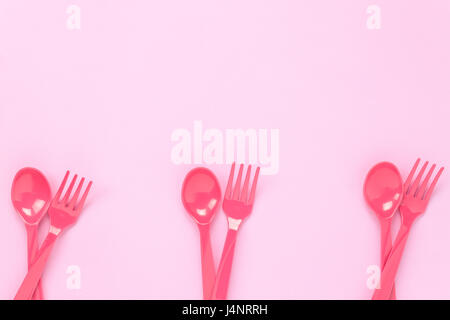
(35, 272)
(386, 246)
(223, 273)
(391, 267)
(32, 248)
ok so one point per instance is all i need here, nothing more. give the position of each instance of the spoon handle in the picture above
(34, 274)
(391, 267)
(386, 247)
(223, 273)
(208, 269)
(32, 248)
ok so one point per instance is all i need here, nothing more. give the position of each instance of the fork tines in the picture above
(237, 193)
(72, 203)
(421, 192)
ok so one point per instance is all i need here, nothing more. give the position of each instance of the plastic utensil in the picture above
(383, 191)
(31, 195)
(63, 213)
(237, 205)
(415, 202)
(201, 196)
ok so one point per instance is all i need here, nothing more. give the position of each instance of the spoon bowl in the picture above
(383, 189)
(201, 195)
(30, 195)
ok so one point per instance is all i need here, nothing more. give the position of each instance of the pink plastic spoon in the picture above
(383, 191)
(201, 196)
(30, 195)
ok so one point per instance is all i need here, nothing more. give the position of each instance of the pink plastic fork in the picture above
(237, 206)
(414, 203)
(63, 213)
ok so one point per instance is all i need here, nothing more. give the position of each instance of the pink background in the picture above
(104, 100)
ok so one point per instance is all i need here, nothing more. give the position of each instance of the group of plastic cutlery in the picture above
(31, 197)
(201, 196)
(385, 192)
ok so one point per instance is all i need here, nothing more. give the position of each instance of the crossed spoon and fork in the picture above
(30, 195)
(201, 197)
(385, 193)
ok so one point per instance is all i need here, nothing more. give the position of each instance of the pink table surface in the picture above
(104, 100)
